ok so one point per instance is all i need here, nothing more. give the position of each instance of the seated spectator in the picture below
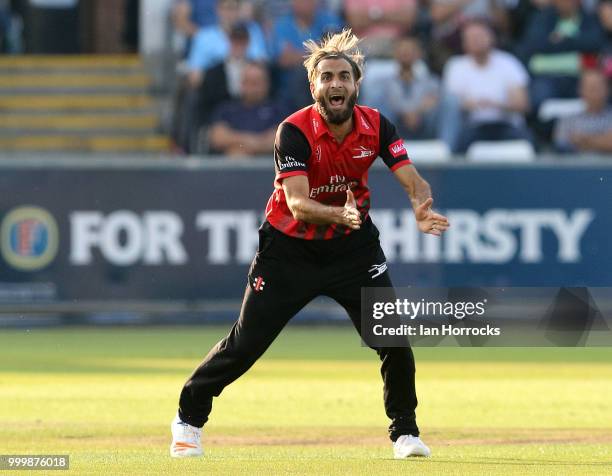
(222, 82)
(590, 131)
(519, 14)
(407, 95)
(605, 18)
(247, 126)
(380, 22)
(211, 44)
(490, 88)
(448, 18)
(307, 20)
(554, 46)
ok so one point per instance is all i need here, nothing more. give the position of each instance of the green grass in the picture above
(312, 405)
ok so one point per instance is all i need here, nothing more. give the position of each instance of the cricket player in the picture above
(318, 239)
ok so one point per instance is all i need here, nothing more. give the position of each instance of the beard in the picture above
(336, 117)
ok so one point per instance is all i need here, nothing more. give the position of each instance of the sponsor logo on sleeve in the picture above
(397, 148)
(290, 162)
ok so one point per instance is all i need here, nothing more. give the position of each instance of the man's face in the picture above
(228, 12)
(335, 90)
(605, 15)
(594, 90)
(238, 47)
(477, 40)
(254, 85)
(567, 7)
(407, 52)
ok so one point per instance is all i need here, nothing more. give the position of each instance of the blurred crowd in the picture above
(458, 71)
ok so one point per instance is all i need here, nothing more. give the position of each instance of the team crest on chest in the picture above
(362, 152)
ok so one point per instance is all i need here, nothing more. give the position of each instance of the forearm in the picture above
(599, 142)
(416, 187)
(264, 142)
(222, 137)
(518, 101)
(418, 192)
(311, 211)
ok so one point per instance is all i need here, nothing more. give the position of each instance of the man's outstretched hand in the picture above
(350, 214)
(429, 221)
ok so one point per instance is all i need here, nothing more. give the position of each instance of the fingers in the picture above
(352, 218)
(440, 226)
(437, 218)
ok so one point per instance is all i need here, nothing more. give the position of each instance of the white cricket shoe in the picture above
(185, 439)
(408, 445)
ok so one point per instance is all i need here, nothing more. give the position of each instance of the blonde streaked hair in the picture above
(340, 45)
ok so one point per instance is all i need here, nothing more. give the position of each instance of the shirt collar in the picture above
(360, 123)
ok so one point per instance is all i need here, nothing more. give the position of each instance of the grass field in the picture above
(312, 405)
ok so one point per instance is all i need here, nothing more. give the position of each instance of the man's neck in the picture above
(406, 72)
(482, 59)
(340, 131)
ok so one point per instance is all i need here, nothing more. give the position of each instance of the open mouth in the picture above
(336, 100)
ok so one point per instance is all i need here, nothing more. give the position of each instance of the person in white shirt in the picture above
(489, 86)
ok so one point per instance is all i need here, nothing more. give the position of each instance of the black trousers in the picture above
(286, 274)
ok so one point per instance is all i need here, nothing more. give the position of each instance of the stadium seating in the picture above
(77, 103)
(430, 151)
(520, 151)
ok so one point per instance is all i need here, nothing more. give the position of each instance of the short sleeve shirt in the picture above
(305, 146)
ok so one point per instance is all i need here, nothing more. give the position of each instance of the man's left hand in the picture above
(429, 221)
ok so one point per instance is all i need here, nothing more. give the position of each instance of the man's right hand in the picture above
(350, 215)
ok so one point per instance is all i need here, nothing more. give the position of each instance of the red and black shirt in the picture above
(304, 145)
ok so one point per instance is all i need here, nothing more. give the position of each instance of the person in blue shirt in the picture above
(211, 44)
(191, 15)
(307, 20)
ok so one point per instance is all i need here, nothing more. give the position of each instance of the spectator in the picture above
(191, 15)
(554, 46)
(489, 86)
(448, 18)
(590, 131)
(380, 22)
(211, 44)
(519, 15)
(307, 20)
(409, 94)
(247, 126)
(605, 18)
(267, 12)
(222, 81)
